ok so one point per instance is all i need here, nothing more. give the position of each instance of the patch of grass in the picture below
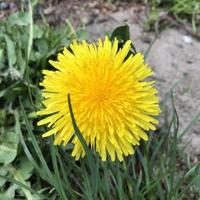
(25, 48)
(158, 170)
(33, 168)
(179, 9)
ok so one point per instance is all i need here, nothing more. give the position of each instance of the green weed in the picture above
(180, 10)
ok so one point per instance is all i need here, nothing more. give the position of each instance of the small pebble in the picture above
(187, 39)
(189, 61)
(4, 5)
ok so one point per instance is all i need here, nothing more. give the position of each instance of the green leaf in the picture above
(8, 147)
(1, 58)
(25, 168)
(9, 89)
(56, 171)
(94, 166)
(19, 18)
(10, 192)
(18, 183)
(2, 116)
(121, 33)
(5, 197)
(153, 16)
(43, 48)
(78, 133)
(30, 38)
(37, 31)
(36, 147)
(3, 172)
(10, 51)
(19, 177)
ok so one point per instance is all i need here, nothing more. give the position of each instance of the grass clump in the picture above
(158, 170)
(180, 10)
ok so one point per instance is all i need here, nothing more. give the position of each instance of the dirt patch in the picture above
(176, 59)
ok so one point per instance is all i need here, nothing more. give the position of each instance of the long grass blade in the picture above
(56, 171)
(90, 159)
(12, 180)
(35, 144)
(189, 126)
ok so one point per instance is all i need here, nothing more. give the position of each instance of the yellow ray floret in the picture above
(113, 104)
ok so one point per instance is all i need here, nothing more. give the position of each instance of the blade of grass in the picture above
(153, 184)
(35, 144)
(30, 41)
(139, 181)
(168, 94)
(161, 142)
(189, 126)
(194, 179)
(12, 180)
(65, 171)
(106, 180)
(25, 148)
(173, 149)
(191, 172)
(144, 163)
(87, 187)
(149, 48)
(119, 182)
(26, 72)
(56, 171)
(90, 159)
(18, 177)
(79, 134)
(6, 90)
(194, 27)
(73, 32)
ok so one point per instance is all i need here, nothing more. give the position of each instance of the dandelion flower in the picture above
(113, 104)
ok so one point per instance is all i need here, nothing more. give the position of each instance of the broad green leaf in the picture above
(25, 168)
(3, 172)
(34, 2)
(8, 147)
(5, 197)
(42, 46)
(121, 33)
(37, 31)
(19, 18)
(10, 192)
(19, 177)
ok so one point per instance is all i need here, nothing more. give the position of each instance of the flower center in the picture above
(100, 93)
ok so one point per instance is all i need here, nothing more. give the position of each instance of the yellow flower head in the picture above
(113, 104)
